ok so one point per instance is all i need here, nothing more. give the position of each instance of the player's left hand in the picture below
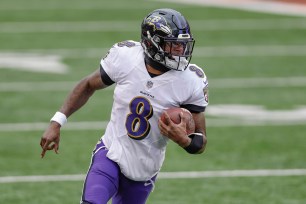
(175, 132)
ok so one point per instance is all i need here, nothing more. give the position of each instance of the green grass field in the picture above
(233, 52)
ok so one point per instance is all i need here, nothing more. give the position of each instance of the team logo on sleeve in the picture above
(126, 43)
(199, 72)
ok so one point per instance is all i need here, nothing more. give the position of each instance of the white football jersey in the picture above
(132, 135)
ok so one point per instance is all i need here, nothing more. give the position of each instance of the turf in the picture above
(229, 148)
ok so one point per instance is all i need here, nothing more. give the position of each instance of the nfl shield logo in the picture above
(149, 84)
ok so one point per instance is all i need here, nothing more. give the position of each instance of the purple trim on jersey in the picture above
(104, 181)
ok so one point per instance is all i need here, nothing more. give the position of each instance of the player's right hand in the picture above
(50, 139)
(175, 132)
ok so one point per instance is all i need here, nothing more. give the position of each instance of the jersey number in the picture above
(137, 124)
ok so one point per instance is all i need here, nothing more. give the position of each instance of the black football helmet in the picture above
(166, 39)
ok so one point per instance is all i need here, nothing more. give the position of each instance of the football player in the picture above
(149, 76)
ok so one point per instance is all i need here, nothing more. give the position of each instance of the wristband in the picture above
(60, 118)
(196, 144)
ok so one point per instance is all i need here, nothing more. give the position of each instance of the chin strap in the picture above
(155, 64)
(197, 141)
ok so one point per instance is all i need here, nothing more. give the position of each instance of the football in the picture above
(174, 114)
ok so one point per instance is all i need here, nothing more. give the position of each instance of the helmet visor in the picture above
(178, 53)
(180, 48)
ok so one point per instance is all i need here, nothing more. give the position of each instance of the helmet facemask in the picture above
(174, 53)
(165, 42)
(178, 52)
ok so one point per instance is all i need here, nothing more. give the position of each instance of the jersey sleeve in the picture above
(198, 101)
(109, 66)
(118, 62)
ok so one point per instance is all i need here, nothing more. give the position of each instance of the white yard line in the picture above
(101, 125)
(37, 86)
(166, 175)
(32, 59)
(233, 173)
(273, 7)
(249, 5)
(129, 26)
(39, 126)
(250, 50)
(33, 62)
(272, 82)
(225, 83)
(204, 51)
(75, 6)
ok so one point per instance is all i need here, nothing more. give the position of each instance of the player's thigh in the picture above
(133, 192)
(102, 179)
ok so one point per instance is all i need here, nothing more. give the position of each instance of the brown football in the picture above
(174, 114)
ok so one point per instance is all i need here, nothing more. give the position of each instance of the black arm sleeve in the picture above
(105, 78)
(193, 108)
